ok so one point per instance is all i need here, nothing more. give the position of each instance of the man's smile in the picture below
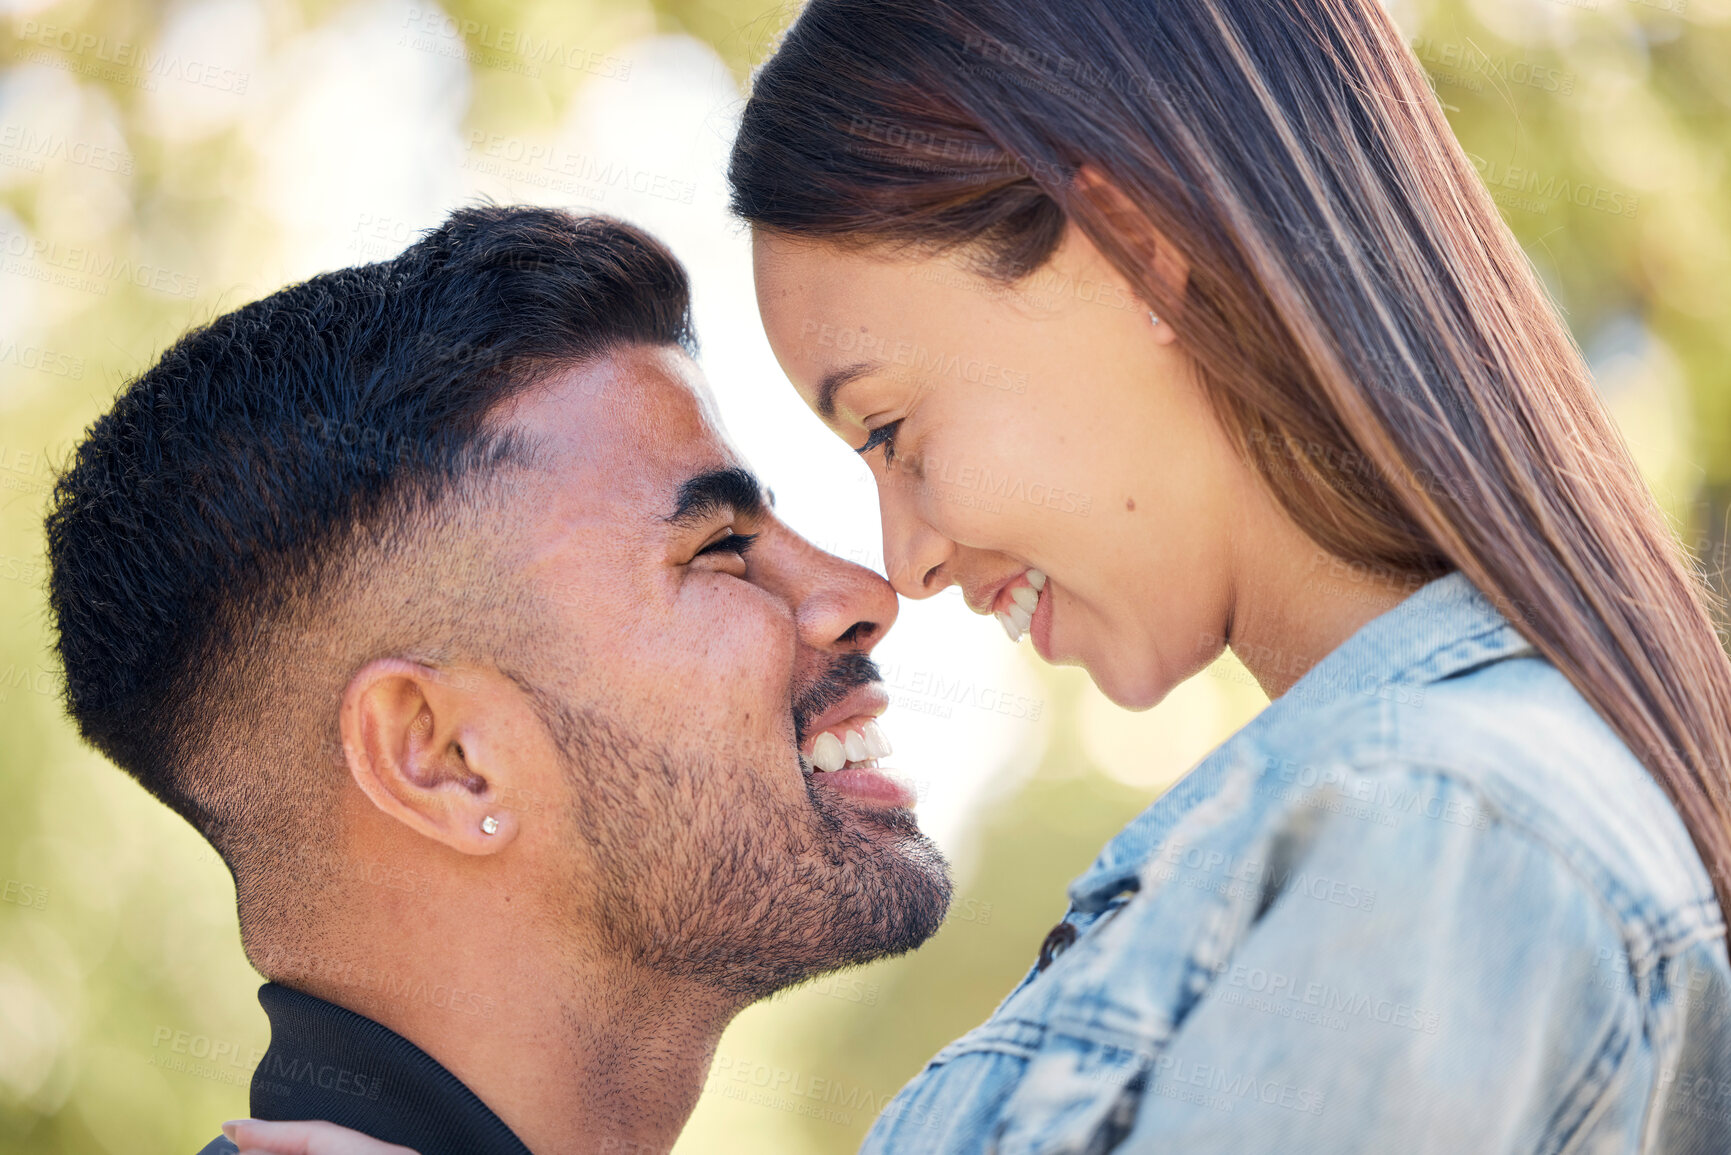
(840, 750)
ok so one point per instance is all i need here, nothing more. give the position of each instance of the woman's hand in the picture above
(255, 1137)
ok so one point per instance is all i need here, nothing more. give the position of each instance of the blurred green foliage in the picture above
(127, 1018)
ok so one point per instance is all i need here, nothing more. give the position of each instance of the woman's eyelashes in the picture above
(884, 435)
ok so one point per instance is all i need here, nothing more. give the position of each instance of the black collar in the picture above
(326, 1062)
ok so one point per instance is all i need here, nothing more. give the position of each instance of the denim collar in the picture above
(1446, 627)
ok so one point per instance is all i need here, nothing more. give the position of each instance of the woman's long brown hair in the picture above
(1365, 324)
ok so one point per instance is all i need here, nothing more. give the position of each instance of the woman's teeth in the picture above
(856, 742)
(1024, 599)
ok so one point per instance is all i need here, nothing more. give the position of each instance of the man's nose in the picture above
(838, 606)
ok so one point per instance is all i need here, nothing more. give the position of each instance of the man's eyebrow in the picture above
(708, 493)
(833, 381)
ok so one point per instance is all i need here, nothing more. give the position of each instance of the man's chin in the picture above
(888, 857)
(878, 888)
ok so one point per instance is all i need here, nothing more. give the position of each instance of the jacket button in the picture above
(1057, 939)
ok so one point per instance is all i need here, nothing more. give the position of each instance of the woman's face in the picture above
(1048, 426)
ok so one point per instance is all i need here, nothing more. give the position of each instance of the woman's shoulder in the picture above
(1509, 746)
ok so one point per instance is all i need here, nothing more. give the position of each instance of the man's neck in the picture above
(575, 1056)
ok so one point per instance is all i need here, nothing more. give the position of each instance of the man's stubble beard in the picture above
(731, 886)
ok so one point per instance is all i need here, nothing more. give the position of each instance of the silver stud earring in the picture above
(1153, 318)
(489, 825)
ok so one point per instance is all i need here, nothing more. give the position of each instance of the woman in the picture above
(1177, 325)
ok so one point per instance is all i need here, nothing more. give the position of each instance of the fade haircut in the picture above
(286, 495)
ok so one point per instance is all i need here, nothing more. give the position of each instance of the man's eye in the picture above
(884, 435)
(737, 543)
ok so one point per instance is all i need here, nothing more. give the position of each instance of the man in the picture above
(433, 595)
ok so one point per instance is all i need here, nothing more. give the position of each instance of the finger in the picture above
(256, 1137)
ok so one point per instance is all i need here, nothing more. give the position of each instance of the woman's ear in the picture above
(1153, 251)
(416, 741)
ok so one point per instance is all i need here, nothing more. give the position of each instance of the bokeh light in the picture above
(163, 162)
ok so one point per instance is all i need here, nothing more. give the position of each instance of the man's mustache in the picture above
(845, 675)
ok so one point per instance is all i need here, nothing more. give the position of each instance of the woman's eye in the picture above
(884, 435)
(735, 543)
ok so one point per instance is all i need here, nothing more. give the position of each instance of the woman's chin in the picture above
(1132, 691)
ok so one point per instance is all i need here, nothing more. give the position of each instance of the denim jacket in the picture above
(1427, 901)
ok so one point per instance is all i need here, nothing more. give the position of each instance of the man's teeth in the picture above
(828, 754)
(861, 744)
(1019, 617)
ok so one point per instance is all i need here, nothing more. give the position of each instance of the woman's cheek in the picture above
(949, 490)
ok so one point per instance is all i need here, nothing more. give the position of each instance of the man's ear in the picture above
(418, 742)
(1154, 251)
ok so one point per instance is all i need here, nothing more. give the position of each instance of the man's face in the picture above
(700, 649)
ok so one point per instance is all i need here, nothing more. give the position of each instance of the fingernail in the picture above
(228, 1128)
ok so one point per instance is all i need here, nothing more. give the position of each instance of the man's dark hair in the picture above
(260, 471)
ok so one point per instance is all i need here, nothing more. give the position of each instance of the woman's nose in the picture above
(915, 554)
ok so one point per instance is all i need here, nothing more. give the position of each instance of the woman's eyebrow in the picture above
(834, 380)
